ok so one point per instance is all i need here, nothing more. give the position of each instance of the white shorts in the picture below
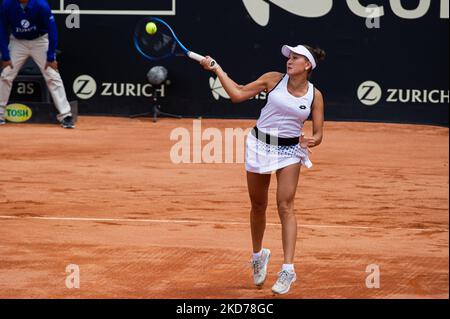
(262, 158)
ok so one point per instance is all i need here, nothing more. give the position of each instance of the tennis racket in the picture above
(163, 44)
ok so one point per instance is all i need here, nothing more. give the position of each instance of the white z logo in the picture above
(260, 9)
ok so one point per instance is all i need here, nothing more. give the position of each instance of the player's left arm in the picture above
(50, 22)
(318, 122)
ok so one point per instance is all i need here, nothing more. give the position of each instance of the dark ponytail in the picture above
(318, 54)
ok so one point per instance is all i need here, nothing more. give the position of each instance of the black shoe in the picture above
(2, 122)
(67, 122)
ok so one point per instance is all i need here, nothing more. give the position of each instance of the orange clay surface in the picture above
(108, 198)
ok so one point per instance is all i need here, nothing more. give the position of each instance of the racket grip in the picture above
(199, 58)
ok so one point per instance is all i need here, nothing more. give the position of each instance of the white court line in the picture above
(118, 12)
(172, 12)
(167, 221)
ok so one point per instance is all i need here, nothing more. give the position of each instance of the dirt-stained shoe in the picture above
(260, 267)
(284, 282)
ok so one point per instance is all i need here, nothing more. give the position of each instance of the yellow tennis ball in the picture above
(151, 28)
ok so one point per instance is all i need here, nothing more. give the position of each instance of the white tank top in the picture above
(284, 114)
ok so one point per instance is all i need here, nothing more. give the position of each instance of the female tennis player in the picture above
(278, 144)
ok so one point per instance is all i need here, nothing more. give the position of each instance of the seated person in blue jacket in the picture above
(28, 29)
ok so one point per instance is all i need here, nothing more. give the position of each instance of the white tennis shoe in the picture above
(284, 282)
(260, 267)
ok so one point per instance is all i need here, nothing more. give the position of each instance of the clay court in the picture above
(107, 198)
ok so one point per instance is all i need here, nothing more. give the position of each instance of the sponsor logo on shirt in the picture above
(26, 27)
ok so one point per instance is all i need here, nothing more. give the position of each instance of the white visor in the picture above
(299, 49)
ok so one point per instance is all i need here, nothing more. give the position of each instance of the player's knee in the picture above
(259, 207)
(7, 76)
(285, 207)
(52, 76)
(54, 83)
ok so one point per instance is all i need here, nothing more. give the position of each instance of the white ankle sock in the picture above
(288, 267)
(256, 256)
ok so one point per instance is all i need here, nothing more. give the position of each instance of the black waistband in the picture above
(40, 34)
(274, 140)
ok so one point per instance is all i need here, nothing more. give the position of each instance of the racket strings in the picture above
(159, 45)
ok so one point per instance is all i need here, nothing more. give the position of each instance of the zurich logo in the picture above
(85, 87)
(25, 24)
(370, 93)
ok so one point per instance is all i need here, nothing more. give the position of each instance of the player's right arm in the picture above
(239, 93)
(4, 36)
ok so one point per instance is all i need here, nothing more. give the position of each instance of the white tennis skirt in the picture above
(262, 158)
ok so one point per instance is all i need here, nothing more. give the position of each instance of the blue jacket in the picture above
(27, 24)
